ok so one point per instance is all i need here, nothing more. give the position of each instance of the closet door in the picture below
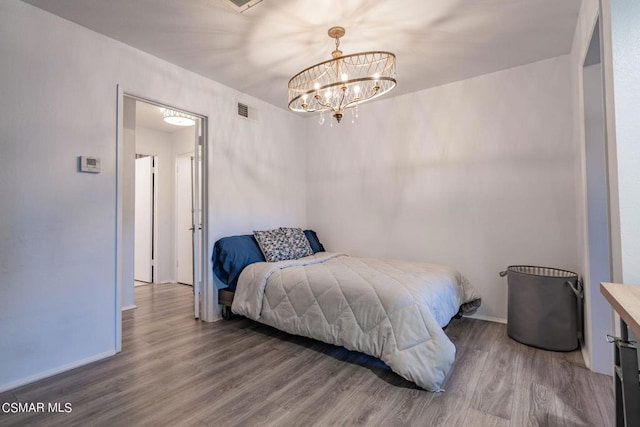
(143, 263)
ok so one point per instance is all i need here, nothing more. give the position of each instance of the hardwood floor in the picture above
(175, 371)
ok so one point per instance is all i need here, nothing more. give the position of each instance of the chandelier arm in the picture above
(326, 106)
(357, 100)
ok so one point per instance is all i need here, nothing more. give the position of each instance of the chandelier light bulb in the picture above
(316, 86)
(356, 89)
(345, 77)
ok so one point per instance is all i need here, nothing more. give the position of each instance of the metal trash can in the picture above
(545, 307)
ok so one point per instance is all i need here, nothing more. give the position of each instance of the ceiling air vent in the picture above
(243, 5)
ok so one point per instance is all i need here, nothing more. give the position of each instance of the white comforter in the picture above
(392, 310)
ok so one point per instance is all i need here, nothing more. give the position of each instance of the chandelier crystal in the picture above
(342, 82)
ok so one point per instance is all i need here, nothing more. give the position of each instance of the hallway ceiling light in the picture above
(342, 82)
(177, 118)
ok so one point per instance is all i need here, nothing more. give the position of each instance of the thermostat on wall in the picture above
(89, 164)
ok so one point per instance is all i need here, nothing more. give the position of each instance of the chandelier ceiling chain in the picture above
(342, 82)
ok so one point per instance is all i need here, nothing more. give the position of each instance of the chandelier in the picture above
(342, 82)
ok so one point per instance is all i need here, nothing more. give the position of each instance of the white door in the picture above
(184, 219)
(143, 224)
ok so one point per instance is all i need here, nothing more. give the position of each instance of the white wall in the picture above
(182, 141)
(476, 174)
(264, 181)
(622, 90)
(625, 53)
(57, 226)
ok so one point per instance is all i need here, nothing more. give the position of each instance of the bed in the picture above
(390, 309)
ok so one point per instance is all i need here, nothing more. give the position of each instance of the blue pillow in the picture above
(232, 254)
(312, 237)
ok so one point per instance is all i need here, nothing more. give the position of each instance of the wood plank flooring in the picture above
(176, 371)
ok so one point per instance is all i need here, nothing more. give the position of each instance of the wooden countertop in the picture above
(625, 300)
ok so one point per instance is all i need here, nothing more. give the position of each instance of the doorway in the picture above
(598, 238)
(148, 205)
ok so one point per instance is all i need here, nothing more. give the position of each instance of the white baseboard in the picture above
(586, 357)
(487, 318)
(129, 307)
(54, 371)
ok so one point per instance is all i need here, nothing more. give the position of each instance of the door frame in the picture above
(206, 286)
(595, 148)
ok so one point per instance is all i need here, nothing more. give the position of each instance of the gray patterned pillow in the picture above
(274, 245)
(298, 242)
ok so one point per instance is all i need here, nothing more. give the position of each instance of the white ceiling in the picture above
(258, 51)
